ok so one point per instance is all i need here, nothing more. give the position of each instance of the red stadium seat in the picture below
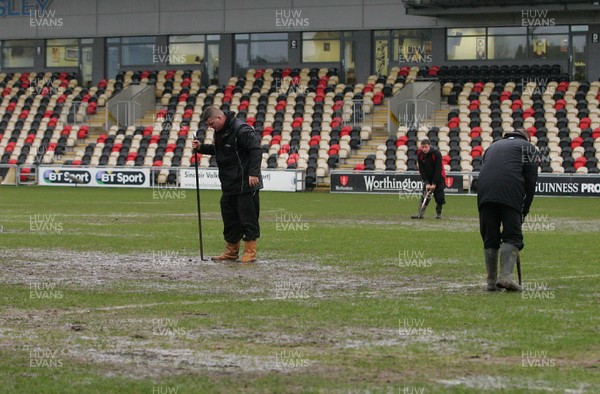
(580, 162)
(402, 140)
(453, 123)
(196, 157)
(584, 123)
(24, 173)
(276, 140)
(476, 151)
(284, 149)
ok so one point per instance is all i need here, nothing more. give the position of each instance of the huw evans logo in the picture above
(537, 85)
(162, 54)
(165, 389)
(414, 54)
(45, 19)
(45, 358)
(533, 18)
(44, 290)
(538, 222)
(44, 223)
(414, 327)
(290, 19)
(120, 177)
(67, 177)
(536, 359)
(43, 86)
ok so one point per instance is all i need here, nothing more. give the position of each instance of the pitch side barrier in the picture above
(145, 177)
(372, 182)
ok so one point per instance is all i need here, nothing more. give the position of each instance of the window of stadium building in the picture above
(138, 51)
(62, 53)
(412, 46)
(497, 43)
(466, 44)
(261, 49)
(321, 47)
(552, 47)
(184, 50)
(18, 53)
(549, 42)
(506, 43)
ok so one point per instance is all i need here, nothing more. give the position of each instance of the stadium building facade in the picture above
(98, 39)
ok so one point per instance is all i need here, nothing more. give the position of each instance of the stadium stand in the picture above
(301, 115)
(306, 118)
(562, 118)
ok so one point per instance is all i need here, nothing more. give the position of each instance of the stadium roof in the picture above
(445, 7)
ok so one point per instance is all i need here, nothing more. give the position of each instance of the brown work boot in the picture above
(232, 252)
(249, 252)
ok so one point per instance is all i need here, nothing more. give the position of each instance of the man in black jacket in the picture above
(239, 155)
(430, 165)
(505, 192)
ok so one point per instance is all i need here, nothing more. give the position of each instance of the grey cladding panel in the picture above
(334, 18)
(394, 17)
(251, 21)
(13, 28)
(79, 26)
(129, 6)
(245, 4)
(191, 22)
(73, 7)
(128, 24)
(190, 6)
(328, 3)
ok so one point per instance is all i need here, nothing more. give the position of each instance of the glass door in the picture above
(212, 64)
(86, 65)
(578, 57)
(381, 56)
(348, 72)
(113, 61)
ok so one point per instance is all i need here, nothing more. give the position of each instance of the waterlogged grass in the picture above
(350, 295)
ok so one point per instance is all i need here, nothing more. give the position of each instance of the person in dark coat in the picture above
(505, 191)
(238, 153)
(429, 161)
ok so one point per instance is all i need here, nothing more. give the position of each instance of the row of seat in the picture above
(298, 128)
(562, 118)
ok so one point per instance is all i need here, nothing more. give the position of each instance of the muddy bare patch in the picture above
(173, 271)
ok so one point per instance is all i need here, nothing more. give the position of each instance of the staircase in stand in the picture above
(378, 120)
(96, 126)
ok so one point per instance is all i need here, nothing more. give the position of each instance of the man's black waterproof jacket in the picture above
(509, 173)
(238, 154)
(430, 166)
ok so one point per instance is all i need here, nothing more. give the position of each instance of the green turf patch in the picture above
(103, 291)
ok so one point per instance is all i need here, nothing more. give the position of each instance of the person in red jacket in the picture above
(431, 169)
